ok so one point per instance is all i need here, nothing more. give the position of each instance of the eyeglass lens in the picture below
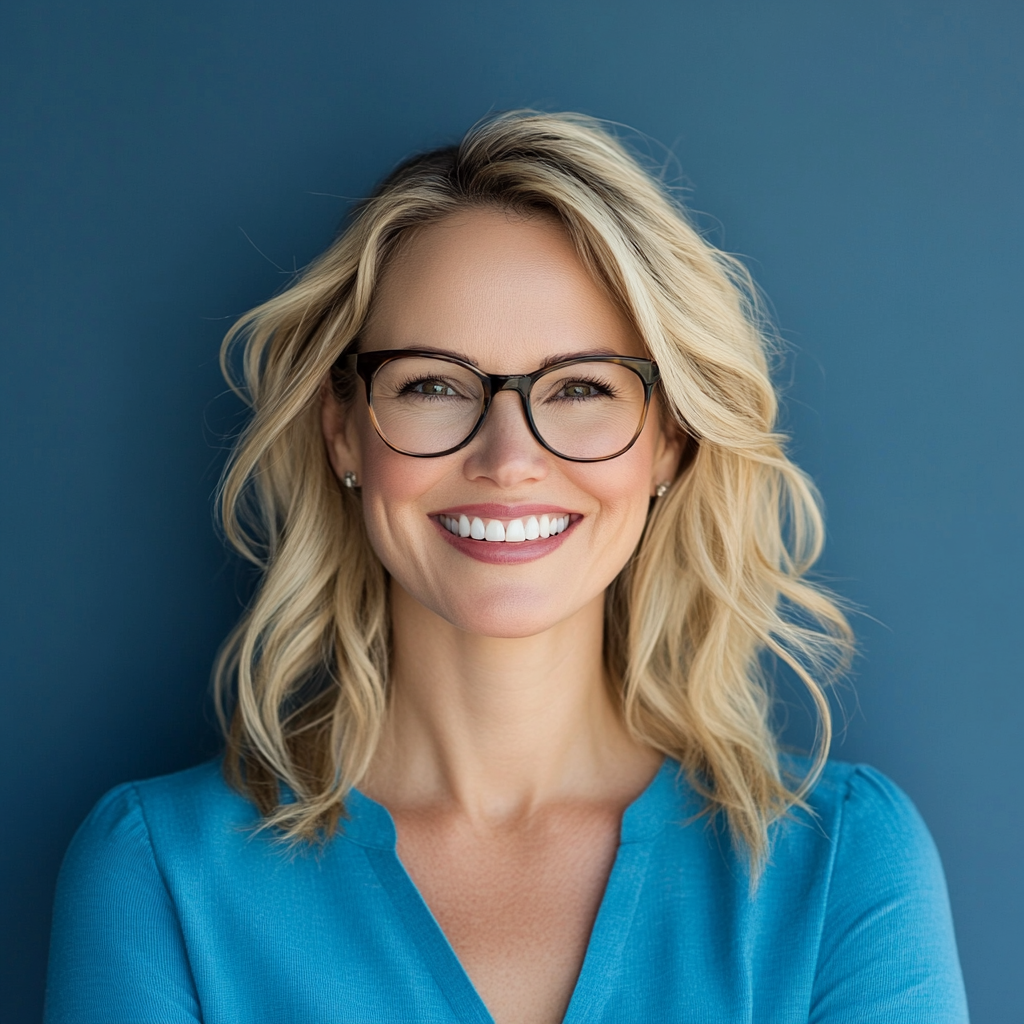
(425, 406)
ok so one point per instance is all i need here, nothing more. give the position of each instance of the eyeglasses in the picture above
(586, 409)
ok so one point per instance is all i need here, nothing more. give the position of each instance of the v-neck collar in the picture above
(370, 825)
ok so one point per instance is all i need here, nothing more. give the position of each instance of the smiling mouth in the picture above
(510, 531)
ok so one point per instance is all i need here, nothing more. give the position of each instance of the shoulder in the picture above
(878, 838)
(864, 832)
(154, 817)
(194, 801)
(884, 901)
(202, 785)
(117, 950)
(861, 838)
(856, 801)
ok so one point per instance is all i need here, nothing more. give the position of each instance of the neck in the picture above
(496, 727)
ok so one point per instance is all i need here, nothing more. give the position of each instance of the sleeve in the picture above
(887, 951)
(117, 953)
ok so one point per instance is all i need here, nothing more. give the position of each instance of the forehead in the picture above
(505, 290)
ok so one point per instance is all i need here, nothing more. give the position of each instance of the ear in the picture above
(672, 444)
(340, 434)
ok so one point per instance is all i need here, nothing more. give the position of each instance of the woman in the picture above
(498, 742)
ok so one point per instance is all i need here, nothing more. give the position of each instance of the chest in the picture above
(518, 904)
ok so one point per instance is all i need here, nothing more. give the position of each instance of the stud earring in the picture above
(661, 490)
(349, 480)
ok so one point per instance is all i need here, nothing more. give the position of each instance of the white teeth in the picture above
(495, 531)
(515, 532)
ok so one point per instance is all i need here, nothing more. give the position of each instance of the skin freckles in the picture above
(504, 760)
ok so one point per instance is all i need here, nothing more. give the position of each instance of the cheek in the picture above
(621, 486)
(386, 477)
(391, 479)
(392, 485)
(622, 489)
(619, 490)
(395, 506)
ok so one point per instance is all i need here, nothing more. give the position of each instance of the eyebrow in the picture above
(561, 357)
(558, 357)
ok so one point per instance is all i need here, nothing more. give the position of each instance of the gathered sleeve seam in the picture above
(151, 847)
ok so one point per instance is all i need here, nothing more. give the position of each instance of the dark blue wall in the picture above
(165, 164)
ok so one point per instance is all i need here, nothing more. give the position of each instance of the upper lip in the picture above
(493, 510)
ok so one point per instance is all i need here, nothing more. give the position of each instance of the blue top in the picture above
(169, 910)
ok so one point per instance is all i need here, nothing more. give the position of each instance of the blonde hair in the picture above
(717, 580)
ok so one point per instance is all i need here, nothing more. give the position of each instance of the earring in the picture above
(349, 480)
(662, 489)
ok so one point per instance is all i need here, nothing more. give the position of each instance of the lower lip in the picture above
(502, 552)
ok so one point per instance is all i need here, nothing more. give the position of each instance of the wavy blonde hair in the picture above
(718, 578)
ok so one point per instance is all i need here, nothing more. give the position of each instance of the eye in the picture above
(581, 390)
(433, 387)
(430, 387)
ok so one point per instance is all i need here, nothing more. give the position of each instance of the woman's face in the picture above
(506, 293)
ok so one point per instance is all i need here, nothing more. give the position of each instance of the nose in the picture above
(505, 451)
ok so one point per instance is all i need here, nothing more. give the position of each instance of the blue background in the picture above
(164, 166)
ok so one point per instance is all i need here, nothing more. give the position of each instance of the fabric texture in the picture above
(169, 909)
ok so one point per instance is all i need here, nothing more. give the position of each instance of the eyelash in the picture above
(606, 388)
(408, 387)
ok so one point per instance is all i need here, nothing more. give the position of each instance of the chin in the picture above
(509, 615)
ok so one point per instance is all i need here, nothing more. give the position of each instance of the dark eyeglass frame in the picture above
(366, 365)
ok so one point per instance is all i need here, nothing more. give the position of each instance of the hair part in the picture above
(719, 577)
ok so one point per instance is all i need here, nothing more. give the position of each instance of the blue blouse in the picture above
(169, 910)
